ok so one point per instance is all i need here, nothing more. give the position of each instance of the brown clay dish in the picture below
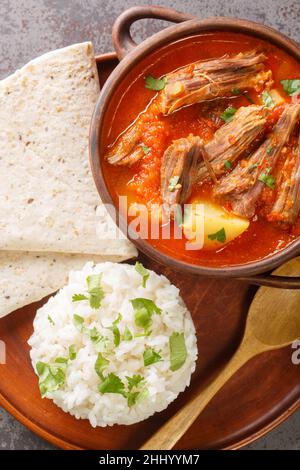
(130, 55)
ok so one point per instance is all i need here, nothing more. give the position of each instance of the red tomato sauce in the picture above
(141, 182)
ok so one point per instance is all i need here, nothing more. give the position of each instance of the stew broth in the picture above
(141, 182)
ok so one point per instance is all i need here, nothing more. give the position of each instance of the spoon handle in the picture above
(169, 434)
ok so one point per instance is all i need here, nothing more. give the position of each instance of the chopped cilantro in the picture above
(236, 91)
(155, 84)
(51, 321)
(228, 114)
(143, 272)
(72, 352)
(115, 330)
(127, 336)
(267, 178)
(291, 87)
(79, 297)
(95, 290)
(61, 360)
(227, 165)
(112, 384)
(151, 356)
(145, 149)
(135, 381)
(51, 376)
(78, 322)
(101, 364)
(178, 352)
(143, 311)
(136, 389)
(94, 334)
(220, 236)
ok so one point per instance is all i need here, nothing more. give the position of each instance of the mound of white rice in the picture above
(64, 351)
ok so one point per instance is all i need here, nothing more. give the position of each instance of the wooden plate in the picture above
(259, 397)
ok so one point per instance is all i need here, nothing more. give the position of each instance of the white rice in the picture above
(79, 395)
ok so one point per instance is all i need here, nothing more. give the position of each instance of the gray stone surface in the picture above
(29, 28)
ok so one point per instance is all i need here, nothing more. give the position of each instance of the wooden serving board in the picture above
(259, 397)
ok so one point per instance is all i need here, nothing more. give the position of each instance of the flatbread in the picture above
(47, 193)
(26, 277)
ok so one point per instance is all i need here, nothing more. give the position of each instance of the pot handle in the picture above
(122, 40)
(281, 282)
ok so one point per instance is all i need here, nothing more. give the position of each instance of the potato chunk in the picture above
(219, 226)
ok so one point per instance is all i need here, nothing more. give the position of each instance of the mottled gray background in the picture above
(31, 27)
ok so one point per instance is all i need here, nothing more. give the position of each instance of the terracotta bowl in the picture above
(131, 54)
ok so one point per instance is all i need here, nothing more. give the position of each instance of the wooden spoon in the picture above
(273, 322)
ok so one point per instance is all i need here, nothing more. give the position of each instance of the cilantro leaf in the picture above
(93, 281)
(127, 336)
(178, 352)
(132, 398)
(51, 321)
(115, 330)
(61, 360)
(78, 322)
(155, 84)
(136, 390)
(135, 381)
(220, 236)
(112, 384)
(291, 87)
(227, 165)
(94, 334)
(228, 114)
(100, 345)
(95, 290)
(267, 99)
(141, 335)
(143, 311)
(117, 335)
(51, 377)
(143, 272)
(72, 352)
(97, 339)
(151, 356)
(100, 364)
(79, 297)
(270, 149)
(143, 318)
(146, 303)
(236, 91)
(267, 178)
(145, 149)
(173, 183)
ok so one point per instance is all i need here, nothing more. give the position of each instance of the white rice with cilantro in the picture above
(115, 345)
